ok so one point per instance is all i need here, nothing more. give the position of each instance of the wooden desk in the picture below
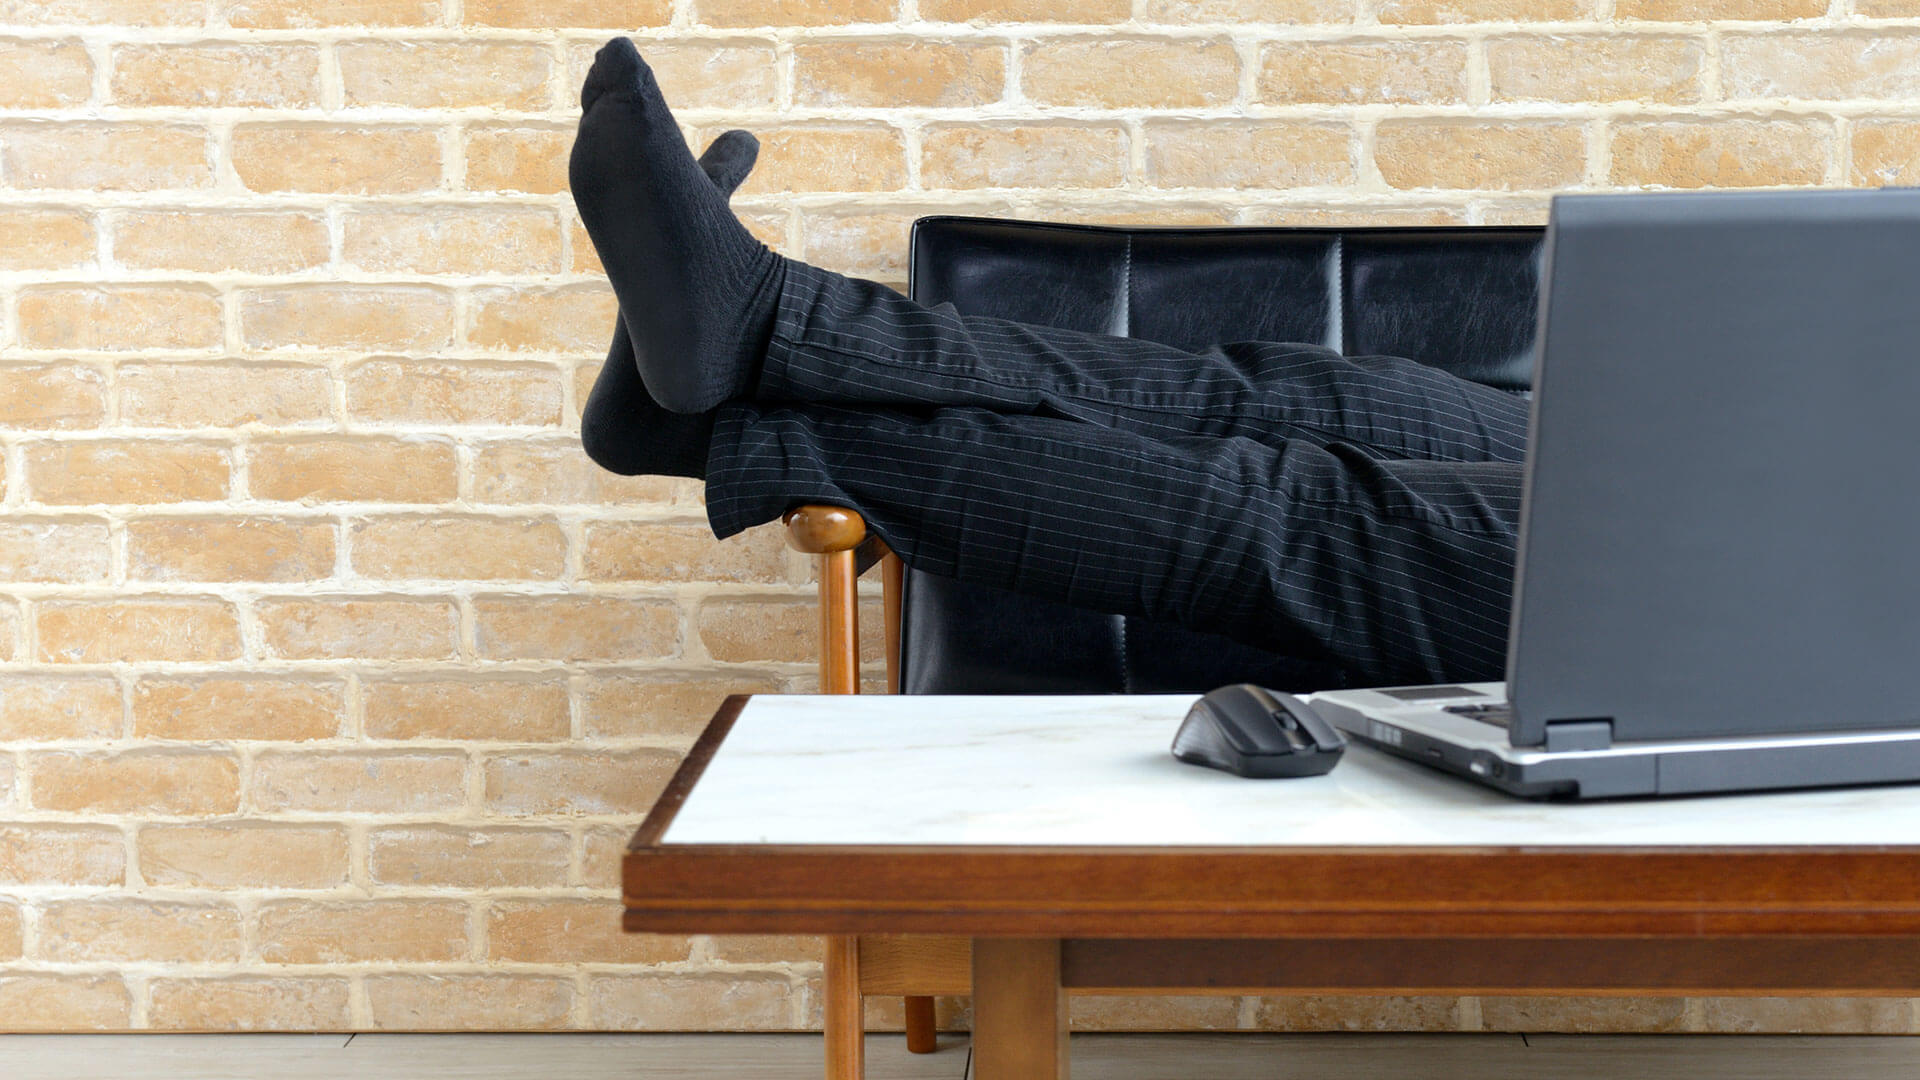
(1021, 848)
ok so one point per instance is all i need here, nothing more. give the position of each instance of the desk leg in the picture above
(845, 1020)
(1019, 1010)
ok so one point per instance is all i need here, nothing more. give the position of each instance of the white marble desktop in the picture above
(1096, 770)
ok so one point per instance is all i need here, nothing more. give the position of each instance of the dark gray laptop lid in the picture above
(1721, 533)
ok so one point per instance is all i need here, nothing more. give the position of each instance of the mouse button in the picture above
(1246, 724)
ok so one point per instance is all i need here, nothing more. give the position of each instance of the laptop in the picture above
(1718, 580)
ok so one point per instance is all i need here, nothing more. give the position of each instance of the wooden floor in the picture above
(1095, 1057)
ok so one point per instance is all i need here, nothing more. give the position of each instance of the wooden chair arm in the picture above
(839, 536)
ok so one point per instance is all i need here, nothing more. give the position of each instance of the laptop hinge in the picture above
(1563, 735)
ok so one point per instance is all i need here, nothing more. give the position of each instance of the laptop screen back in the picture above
(1721, 532)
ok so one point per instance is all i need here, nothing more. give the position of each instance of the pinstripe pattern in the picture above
(1215, 490)
(840, 340)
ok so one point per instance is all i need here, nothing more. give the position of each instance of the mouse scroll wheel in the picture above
(1289, 721)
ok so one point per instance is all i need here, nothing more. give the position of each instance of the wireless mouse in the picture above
(1251, 731)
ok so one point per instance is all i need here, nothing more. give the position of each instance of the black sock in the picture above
(627, 432)
(696, 289)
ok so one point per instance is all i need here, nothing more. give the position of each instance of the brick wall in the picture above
(332, 676)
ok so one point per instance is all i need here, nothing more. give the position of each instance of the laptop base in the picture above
(1416, 723)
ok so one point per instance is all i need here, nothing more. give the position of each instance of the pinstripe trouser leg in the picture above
(1293, 514)
(840, 340)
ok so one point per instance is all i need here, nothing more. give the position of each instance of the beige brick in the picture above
(1248, 154)
(1821, 66)
(453, 240)
(1886, 152)
(1585, 1015)
(695, 1001)
(119, 317)
(249, 1003)
(1423, 72)
(660, 704)
(1887, 9)
(45, 240)
(897, 74)
(998, 11)
(1501, 156)
(457, 857)
(44, 854)
(336, 160)
(785, 631)
(358, 628)
(573, 932)
(1134, 214)
(51, 396)
(681, 551)
(118, 930)
(310, 14)
(358, 782)
(162, 782)
(243, 855)
(134, 12)
(574, 628)
(347, 317)
(124, 155)
(229, 549)
(603, 847)
(56, 550)
(134, 628)
(1022, 156)
(828, 157)
(469, 1002)
(542, 318)
(195, 395)
(69, 1003)
(1820, 1015)
(450, 392)
(34, 707)
(868, 245)
(1519, 212)
(240, 707)
(1354, 216)
(1246, 11)
(11, 931)
(791, 12)
(1705, 10)
(1122, 73)
(360, 470)
(1429, 12)
(10, 625)
(585, 259)
(1722, 153)
(1332, 1012)
(514, 709)
(766, 949)
(8, 787)
(1157, 1013)
(445, 74)
(387, 931)
(694, 74)
(215, 240)
(518, 158)
(627, 782)
(44, 74)
(144, 472)
(1596, 67)
(568, 14)
(539, 471)
(459, 548)
(226, 74)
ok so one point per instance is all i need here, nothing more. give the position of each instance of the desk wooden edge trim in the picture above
(688, 774)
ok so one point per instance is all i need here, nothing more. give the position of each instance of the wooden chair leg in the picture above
(922, 1038)
(845, 1019)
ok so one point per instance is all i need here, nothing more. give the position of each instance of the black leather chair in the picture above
(1460, 298)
